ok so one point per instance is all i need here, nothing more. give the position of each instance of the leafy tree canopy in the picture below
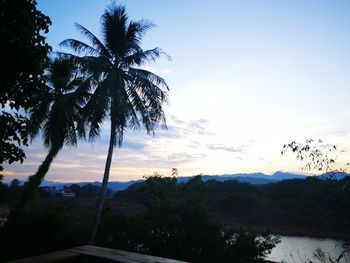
(22, 69)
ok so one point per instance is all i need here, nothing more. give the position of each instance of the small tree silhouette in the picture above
(318, 155)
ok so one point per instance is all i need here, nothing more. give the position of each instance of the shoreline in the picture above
(293, 232)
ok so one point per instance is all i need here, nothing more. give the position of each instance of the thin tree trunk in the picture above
(35, 180)
(103, 189)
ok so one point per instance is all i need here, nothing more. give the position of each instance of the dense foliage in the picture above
(174, 224)
(22, 68)
(41, 229)
(184, 220)
(9, 192)
(301, 206)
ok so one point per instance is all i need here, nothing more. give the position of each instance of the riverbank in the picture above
(285, 226)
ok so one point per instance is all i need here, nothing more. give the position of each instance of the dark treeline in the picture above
(195, 221)
(308, 206)
(9, 192)
(173, 223)
(12, 191)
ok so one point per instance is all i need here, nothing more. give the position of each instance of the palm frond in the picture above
(134, 34)
(97, 44)
(140, 57)
(96, 110)
(79, 46)
(147, 97)
(137, 29)
(38, 114)
(95, 66)
(147, 76)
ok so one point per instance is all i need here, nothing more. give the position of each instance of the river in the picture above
(294, 249)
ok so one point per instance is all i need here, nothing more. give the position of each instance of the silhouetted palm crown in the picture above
(57, 112)
(129, 96)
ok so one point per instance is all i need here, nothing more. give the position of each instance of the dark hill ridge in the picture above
(252, 178)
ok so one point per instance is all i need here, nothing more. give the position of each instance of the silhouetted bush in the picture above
(176, 224)
(39, 230)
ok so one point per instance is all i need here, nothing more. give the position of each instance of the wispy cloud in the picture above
(220, 147)
(180, 145)
(189, 144)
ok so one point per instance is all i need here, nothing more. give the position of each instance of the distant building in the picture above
(68, 194)
(64, 193)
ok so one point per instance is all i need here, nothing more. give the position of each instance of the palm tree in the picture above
(56, 115)
(126, 95)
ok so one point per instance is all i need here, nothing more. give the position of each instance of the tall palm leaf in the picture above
(56, 114)
(127, 96)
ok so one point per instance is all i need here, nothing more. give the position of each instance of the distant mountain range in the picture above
(252, 178)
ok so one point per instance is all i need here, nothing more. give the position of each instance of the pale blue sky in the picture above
(245, 78)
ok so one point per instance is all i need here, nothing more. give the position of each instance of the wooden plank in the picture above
(58, 256)
(120, 256)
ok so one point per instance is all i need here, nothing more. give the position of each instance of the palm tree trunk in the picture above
(103, 190)
(35, 180)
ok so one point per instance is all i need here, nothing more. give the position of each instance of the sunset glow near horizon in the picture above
(245, 78)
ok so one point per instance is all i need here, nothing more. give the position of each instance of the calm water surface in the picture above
(298, 249)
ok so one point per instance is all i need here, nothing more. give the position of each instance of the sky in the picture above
(245, 78)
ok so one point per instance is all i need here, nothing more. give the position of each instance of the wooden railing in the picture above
(113, 255)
